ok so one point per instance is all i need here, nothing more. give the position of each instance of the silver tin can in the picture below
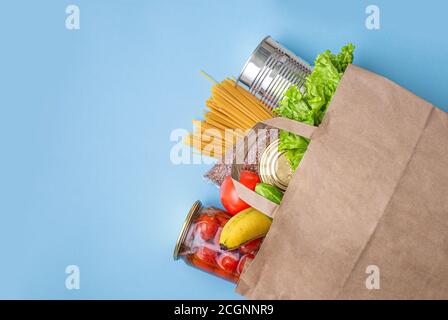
(274, 168)
(271, 70)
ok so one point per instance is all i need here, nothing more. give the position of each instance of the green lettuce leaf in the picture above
(310, 107)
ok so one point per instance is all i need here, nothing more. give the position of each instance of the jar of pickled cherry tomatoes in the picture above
(198, 244)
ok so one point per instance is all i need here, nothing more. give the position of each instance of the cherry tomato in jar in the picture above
(222, 220)
(243, 261)
(251, 246)
(201, 264)
(206, 255)
(206, 227)
(228, 262)
(229, 197)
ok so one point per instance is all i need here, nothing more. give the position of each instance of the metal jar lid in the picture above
(195, 208)
(274, 168)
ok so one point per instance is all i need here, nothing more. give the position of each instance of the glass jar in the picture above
(198, 244)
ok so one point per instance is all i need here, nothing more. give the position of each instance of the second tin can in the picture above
(274, 168)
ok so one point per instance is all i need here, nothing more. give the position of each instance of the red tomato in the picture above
(243, 261)
(249, 179)
(228, 262)
(202, 265)
(222, 220)
(206, 255)
(230, 199)
(251, 246)
(206, 227)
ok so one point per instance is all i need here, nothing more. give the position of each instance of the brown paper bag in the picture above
(370, 195)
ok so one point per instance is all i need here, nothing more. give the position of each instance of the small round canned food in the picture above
(198, 244)
(274, 168)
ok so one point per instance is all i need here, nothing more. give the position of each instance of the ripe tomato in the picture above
(206, 227)
(229, 197)
(249, 179)
(222, 220)
(243, 261)
(206, 255)
(228, 262)
(251, 246)
(202, 265)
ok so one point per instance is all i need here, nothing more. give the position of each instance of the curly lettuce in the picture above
(310, 106)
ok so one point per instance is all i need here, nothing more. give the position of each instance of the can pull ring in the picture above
(255, 200)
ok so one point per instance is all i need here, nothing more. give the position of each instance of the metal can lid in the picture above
(274, 167)
(184, 231)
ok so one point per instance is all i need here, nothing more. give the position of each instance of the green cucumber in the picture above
(269, 192)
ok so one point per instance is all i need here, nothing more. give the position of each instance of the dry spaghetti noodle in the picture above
(232, 110)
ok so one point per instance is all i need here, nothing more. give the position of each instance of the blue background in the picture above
(86, 115)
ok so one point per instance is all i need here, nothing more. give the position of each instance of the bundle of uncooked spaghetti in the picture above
(232, 110)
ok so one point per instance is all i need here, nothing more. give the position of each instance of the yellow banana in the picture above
(245, 226)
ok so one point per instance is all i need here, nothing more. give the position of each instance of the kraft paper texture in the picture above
(370, 192)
